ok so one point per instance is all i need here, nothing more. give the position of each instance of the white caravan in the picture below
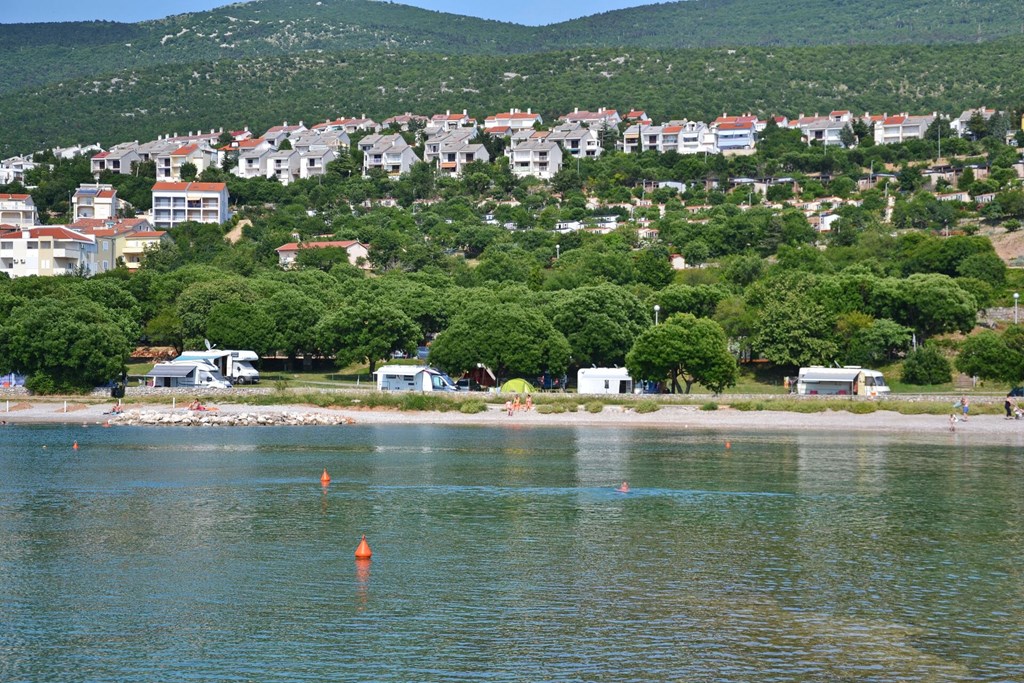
(235, 365)
(851, 380)
(603, 381)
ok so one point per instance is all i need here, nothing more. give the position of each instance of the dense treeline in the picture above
(695, 84)
(37, 54)
(528, 300)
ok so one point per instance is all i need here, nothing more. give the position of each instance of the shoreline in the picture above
(981, 429)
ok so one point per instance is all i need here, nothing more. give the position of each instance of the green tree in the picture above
(241, 325)
(188, 172)
(684, 347)
(987, 356)
(512, 340)
(926, 365)
(63, 345)
(367, 331)
(600, 323)
(795, 331)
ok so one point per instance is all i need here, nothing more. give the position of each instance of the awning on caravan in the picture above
(171, 370)
(831, 375)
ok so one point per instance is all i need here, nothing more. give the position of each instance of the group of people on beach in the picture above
(515, 405)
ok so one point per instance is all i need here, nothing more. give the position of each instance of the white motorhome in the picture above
(412, 378)
(235, 365)
(851, 380)
(604, 381)
(193, 375)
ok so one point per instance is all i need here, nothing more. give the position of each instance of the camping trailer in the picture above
(236, 365)
(412, 378)
(193, 375)
(604, 381)
(850, 380)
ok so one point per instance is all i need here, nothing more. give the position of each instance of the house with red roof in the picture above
(515, 119)
(18, 210)
(118, 159)
(900, 127)
(449, 121)
(199, 154)
(275, 135)
(594, 119)
(405, 121)
(95, 200)
(358, 253)
(176, 203)
(112, 240)
(46, 250)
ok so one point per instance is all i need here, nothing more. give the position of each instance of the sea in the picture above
(506, 553)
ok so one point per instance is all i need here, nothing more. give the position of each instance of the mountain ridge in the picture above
(37, 54)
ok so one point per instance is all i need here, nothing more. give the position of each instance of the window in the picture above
(32, 244)
(6, 245)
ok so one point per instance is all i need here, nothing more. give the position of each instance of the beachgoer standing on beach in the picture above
(965, 405)
(515, 404)
(1008, 407)
(529, 402)
(508, 408)
(952, 422)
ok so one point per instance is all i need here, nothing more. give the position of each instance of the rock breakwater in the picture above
(202, 418)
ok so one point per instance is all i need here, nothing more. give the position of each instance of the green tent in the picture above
(517, 386)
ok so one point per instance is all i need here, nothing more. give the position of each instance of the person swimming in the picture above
(624, 488)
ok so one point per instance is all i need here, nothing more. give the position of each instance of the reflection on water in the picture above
(507, 555)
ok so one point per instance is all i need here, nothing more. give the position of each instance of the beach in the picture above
(980, 428)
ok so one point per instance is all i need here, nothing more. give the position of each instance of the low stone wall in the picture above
(203, 418)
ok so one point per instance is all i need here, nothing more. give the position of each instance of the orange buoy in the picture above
(728, 445)
(75, 446)
(325, 478)
(363, 551)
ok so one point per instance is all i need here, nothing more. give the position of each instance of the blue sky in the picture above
(531, 12)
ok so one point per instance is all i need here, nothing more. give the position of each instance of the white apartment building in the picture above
(48, 250)
(95, 200)
(176, 203)
(18, 211)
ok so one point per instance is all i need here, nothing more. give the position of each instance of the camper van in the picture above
(604, 381)
(192, 375)
(235, 365)
(412, 378)
(850, 380)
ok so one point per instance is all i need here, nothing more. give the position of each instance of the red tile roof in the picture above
(189, 187)
(295, 246)
(182, 151)
(15, 197)
(147, 234)
(101, 155)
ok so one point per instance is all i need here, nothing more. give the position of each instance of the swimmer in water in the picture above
(624, 488)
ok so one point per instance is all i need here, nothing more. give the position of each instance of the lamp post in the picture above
(657, 308)
(1016, 298)
(558, 251)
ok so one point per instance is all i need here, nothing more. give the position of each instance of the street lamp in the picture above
(1016, 297)
(657, 308)
(558, 251)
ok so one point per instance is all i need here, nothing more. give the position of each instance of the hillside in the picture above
(38, 54)
(699, 84)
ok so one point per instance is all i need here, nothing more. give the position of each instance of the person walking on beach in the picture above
(965, 406)
(952, 422)
(1008, 407)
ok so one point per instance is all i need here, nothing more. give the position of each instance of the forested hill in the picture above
(38, 54)
(698, 84)
(710, 23)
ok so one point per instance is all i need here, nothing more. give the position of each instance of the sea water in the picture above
(506, 554)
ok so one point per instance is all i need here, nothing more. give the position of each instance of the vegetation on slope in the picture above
(697, 84)
(36, 54)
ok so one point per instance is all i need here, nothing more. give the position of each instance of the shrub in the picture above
(40, 383)
(473, 406)
(595, 407)
(861, 407)
(926, 365)
(710, 405)
(546, 409)
(648, 405)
